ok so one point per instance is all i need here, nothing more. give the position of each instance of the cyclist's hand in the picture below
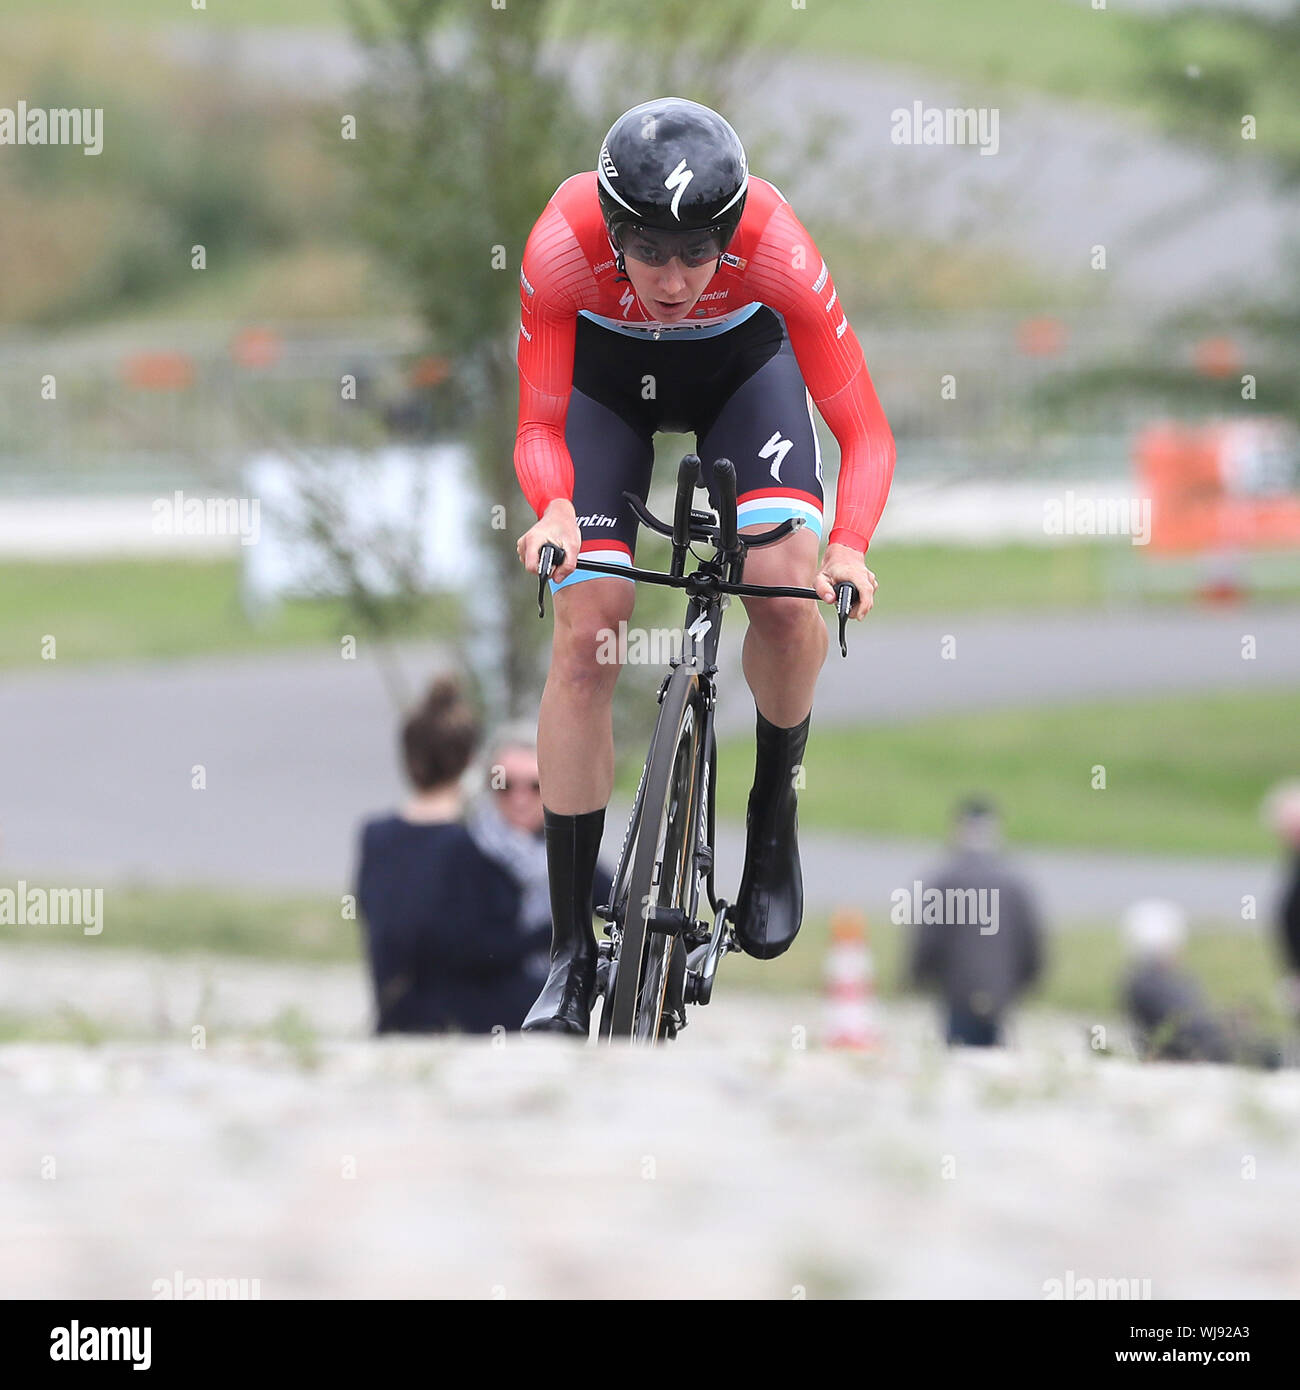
(842, 562)
(558, 524)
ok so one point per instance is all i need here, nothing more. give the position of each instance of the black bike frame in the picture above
(701, 634)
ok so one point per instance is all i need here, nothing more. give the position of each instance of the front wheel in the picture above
(663, 867)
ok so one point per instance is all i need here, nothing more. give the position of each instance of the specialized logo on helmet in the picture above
(678, 179)
(607, 164)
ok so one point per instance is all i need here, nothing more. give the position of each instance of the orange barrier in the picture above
(256, 347)
(1224, 485)
(1217, 357)
(430, 371)
(1041, 337)
(159, 371)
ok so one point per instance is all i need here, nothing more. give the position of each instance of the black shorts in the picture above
(738, 391)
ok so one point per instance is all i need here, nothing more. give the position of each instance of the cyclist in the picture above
(671, 290)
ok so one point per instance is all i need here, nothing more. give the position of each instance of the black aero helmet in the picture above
(674, 166)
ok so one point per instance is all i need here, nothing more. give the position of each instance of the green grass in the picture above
(175, 921)
(1183, 776)
(1052, 45)
(1084, 962)
(1084, 966)
(879, 273)
(137, 608)
(68, 1025)
(937, 578)
(216, 14)
(311, 281)
(133, 609)
(951, 578)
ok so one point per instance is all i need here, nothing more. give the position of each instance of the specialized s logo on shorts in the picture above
(777, 448)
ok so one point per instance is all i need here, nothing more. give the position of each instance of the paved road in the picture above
(898, 669)
(98, 763)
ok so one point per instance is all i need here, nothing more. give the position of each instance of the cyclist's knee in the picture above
(587, 625)
(781, 619)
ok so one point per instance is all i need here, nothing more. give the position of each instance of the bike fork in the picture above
(701, 964)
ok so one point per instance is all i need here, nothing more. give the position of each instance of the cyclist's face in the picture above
(668, 291)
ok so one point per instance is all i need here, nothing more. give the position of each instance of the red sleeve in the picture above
(551, 283)
(787, 273)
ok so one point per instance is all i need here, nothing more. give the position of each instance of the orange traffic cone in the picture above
(850, 985)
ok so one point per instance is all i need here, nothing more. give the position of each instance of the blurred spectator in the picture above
(1164, 1001)
(1282, 811)
(508, 826)
(412, 415)
(1172, 1021)
(978, 960)
(442, 919)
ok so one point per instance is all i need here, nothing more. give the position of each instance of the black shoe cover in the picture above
(566, 1000)
(769, 907)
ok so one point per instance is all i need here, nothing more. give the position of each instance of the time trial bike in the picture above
(660, 955)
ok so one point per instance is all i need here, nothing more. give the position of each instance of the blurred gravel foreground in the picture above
(736, 1163)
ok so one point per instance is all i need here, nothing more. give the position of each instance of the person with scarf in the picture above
(454, 927)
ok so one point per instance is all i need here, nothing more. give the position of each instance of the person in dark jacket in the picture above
(448, 950)
(1282, 811)
(978, 940)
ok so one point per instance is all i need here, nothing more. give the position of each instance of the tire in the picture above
(663, 865)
